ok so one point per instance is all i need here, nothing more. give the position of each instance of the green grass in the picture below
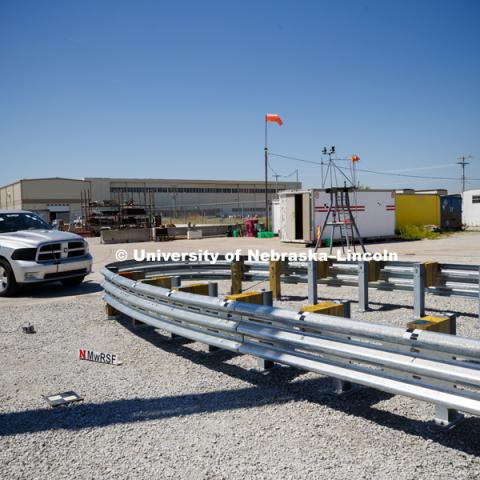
(416, 232)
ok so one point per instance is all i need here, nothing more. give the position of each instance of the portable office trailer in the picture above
(303, 213)
(275, 216)
(417, 209)
(471, 209)
(451, 211)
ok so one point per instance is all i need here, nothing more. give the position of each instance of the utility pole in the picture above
(462, 163)
(276, 182)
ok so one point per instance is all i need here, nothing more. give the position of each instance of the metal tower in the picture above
(339, 214)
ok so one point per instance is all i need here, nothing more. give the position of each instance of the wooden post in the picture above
(237, 275)
(111, 312)
(275, 270)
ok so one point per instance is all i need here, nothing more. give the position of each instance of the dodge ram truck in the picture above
(31, 252)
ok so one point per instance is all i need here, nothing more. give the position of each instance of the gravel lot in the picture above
(173, 411)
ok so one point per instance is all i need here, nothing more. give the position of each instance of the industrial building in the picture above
(51, 198)
(63, 198)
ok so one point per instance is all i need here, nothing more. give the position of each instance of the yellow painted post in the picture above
(237, 275)
(159, 281)
(275, 270)
(444, 324)
(432, 271)
(327, 308)
(198, 288)
(247, 297)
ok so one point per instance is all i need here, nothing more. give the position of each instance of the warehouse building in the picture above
(62, 198)
(51, 198)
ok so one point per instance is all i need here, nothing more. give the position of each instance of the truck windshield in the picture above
(13, 222)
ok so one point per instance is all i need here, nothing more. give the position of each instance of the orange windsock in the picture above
(355, 158)
(273, 117)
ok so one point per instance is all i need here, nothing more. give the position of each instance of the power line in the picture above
(375, 172)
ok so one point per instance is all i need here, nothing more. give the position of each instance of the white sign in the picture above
(99, 357)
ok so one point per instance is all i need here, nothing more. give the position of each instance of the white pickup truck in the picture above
(32, 252)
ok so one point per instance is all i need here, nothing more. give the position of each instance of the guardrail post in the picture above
(111, 312)
(447, 418)
(275, 271)
(267, 298)
(212, 289)
(312, 282)
(262, 364)
(363, 286)
(265, 365)
(237, 275)
(419, 290)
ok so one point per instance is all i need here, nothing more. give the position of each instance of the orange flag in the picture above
(272, 117)
(355, 158)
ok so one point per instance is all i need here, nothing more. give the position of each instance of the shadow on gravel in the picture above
(56, 290)
(280, 386)
(384, 307)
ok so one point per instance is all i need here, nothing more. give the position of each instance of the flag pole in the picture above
(266, 177)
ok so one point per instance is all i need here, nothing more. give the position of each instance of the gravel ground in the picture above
(173, 411)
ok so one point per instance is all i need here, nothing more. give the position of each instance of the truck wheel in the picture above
(8, 284)
(73, 282)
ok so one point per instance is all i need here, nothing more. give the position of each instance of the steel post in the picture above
(267, 298)
(447, 418)
(212, 289)
(418, 290)
(363, 286)
(312, 282)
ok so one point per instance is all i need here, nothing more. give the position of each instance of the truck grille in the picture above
(60, 251)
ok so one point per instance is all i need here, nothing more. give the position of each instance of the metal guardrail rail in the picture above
(452, 280)
(433, 367)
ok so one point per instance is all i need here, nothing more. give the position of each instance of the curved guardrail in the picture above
(437, 368)
(453, 279)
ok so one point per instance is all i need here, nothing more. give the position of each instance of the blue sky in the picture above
(180, 89)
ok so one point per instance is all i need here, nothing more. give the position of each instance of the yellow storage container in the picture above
(417, 209)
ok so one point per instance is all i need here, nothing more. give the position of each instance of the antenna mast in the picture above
(339, 215)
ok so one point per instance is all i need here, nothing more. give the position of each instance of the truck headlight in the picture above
(27, 254)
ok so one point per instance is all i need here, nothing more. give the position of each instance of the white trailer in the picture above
(275, 216)
(303, 212)
(471, 209)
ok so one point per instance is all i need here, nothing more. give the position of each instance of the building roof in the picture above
(179, 180)
(41, 179)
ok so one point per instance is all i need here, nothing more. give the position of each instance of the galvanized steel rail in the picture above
(437, 368)
(453, 279)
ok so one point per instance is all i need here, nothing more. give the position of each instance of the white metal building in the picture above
(471, 208)
(303, 212)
